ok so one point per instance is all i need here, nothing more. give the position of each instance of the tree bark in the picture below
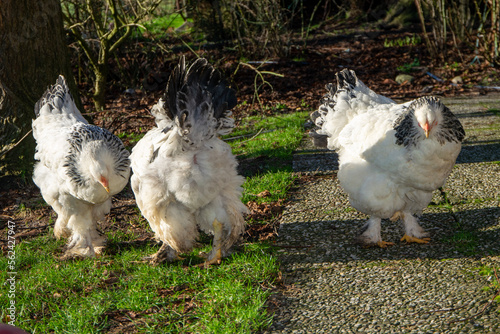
(33, 52)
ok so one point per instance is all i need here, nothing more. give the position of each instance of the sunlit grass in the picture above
(276, 136)
(160, 26)
(119, 289)
(277, 183)
(79, 296)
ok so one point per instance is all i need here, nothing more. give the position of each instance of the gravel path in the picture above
(333, 285)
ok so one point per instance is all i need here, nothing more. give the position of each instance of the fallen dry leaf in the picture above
(265, 193)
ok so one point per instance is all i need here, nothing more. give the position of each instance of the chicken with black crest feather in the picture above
(78, 168)
(391, 156)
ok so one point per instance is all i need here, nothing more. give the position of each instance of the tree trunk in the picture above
(33, 52)
(101, 79)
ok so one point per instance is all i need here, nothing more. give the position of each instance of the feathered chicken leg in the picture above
(215, 256)
(413, 231)
(371, 236)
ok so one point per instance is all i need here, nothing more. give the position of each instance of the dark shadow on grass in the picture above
(114, 247)
(249, 167)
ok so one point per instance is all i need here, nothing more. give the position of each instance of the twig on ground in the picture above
(249, 135)
(246, 141)
(485, 306)
(33, 227)
(131, 205)
(441, 310)
(28, 234)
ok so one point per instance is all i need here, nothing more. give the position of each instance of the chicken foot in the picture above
(165, 253)
(413, 231)
(371, 235)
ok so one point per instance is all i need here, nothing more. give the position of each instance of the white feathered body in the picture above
(382, 177)
(180, 191)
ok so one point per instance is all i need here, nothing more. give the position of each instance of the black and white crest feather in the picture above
(452, 129)
(346, 81)
(407, 134)
(83, 134)
(58, 101)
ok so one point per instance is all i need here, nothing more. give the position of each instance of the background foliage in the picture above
(255, 29)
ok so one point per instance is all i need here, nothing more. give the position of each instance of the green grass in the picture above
(277, 183)
(160, 26)
(95, 295)
(375, 264)
(493, 277)
(465, 242)
(399, 42)
(130, 138)
(80, 296)
(494, 111)
(407, 68)
(275, 137)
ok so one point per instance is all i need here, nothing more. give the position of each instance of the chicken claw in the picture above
(410, 239)
(384, 244)
(165, 253)
(395, 217)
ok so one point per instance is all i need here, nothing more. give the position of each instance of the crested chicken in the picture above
(78, 168)
(391, 156)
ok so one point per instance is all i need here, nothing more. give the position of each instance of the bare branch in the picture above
(9, 148)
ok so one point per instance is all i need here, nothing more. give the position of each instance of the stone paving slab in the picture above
(333, 285)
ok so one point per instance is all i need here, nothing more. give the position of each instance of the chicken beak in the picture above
(104, 182)
(426, 128)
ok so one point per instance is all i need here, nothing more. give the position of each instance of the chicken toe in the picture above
(165, 253)
(384, 244)
(410, 239)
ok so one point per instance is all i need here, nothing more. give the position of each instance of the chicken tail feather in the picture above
(57, 99)
(198, 100)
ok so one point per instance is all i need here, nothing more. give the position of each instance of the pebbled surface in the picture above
(333, 285)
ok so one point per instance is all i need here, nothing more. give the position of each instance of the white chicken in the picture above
(184, 176)
(79, 168)
(391, 156)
